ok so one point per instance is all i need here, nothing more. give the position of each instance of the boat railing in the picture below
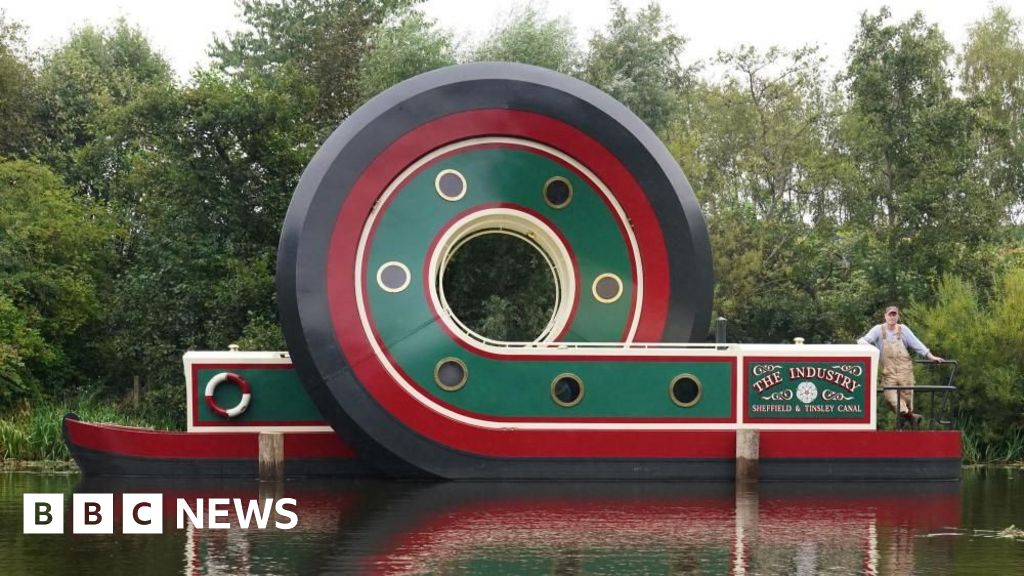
(936, 403)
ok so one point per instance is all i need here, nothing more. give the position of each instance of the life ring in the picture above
(239, 408)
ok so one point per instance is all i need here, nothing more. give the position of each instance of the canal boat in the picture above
(620, 384)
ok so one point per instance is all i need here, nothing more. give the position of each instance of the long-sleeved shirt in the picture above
(874, 338)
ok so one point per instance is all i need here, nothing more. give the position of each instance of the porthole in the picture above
(685, 390)
(450, 185)
(393, 276)
(607, 288)
(557, 192)
(567, 390)
(451, 374)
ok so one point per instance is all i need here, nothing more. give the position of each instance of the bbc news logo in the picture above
(144, 513)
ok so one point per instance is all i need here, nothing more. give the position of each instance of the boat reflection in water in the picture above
(528, 528)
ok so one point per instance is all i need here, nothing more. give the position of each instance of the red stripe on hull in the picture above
(139, 442)
(859, 444)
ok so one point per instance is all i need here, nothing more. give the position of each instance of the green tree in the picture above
(55, 257)
(91, 88)
(17, 92)
(636, 60)
(527, 36)
(322, 41)
(992, 79)
(755, 148)
(987, 337)
(910, 142)
(201, 268)
(402, 48)
(19, 343)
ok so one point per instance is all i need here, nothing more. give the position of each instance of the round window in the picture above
(567, 390)
(685, 390)
(451, 374)
(501, 286)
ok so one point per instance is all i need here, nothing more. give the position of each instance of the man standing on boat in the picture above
(893, 339)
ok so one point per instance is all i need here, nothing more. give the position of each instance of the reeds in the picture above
(1008, 449)
(35, 433)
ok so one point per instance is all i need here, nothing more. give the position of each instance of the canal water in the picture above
(969, 527)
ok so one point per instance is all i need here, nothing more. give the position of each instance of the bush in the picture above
(987, 338)
(163, 407)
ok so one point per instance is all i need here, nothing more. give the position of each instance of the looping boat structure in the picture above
(613, 386)
(382, 375)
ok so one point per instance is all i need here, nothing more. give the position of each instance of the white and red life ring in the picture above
(239, 408)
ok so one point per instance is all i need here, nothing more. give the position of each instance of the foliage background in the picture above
(139, 214)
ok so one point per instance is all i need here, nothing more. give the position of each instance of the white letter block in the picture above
(92, 514)
(142, 514)
(43, 513)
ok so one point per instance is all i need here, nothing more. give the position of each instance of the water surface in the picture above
(551, 528)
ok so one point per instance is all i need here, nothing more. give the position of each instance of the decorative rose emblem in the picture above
(806, 392)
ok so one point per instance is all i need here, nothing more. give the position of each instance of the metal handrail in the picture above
(952, 373)
(946, 406)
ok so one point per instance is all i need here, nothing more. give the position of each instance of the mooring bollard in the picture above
(271, 456)
(747, 455)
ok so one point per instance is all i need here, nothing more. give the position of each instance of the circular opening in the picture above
(685, 390)
(450, 185)
(557, 192)
(607, 288)
(500, 285)
(393, 276)
(451, 374)
(567, 390)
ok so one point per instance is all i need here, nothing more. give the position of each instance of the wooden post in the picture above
(136, 391)
(748, 445)
(271, 456)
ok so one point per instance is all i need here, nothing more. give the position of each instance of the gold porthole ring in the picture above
(450, 185)
(557, 192)
(451, 374)
(607, 288)
(685, 390)
(567, 390)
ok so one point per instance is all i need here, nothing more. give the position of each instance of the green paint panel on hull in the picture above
(613, 387)
(277, 396)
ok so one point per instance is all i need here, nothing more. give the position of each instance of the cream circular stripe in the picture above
(544, 240)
